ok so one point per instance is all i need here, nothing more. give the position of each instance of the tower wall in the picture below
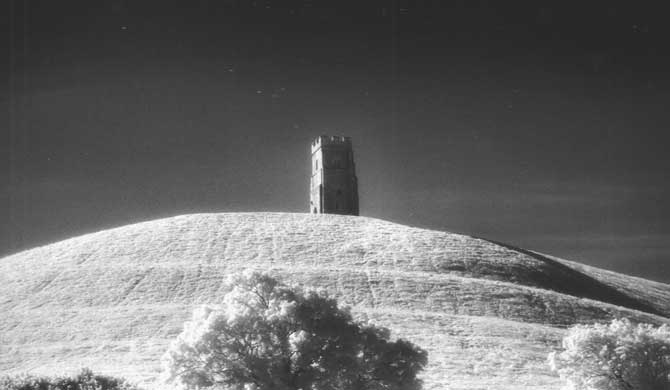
(334, 186)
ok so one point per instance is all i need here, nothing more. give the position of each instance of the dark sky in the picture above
(542, 124)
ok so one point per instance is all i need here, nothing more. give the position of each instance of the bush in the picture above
(615, 356)
(85, 380)
(267, 336)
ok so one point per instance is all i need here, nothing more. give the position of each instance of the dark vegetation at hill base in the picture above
(85, 380)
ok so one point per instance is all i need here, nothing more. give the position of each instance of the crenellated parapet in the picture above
(331, 140)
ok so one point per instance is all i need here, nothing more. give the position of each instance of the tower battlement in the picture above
(330, 140)
(333, 185)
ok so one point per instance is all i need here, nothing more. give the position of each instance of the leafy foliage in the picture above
(85, 380)
(267, 336)
(615, 356)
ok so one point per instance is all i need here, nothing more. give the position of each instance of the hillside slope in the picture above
(486, 312)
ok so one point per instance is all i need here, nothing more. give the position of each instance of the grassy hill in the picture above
(488, 313)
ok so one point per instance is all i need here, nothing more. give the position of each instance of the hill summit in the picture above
(487, 313)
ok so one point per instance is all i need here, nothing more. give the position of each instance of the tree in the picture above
(267, 336)
(615, 356)
(85, 380)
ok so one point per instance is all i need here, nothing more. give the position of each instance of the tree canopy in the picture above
(615, 356)
(268, 336)
(85, 380)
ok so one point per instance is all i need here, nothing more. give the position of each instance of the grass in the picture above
(487, 313)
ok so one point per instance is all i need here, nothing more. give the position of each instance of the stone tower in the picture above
(334, 187)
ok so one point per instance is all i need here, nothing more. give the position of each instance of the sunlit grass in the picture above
(487, 314)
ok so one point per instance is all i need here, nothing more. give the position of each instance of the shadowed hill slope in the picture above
(486, 312)
(558, 276)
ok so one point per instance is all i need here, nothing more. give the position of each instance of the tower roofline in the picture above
(330, 140)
